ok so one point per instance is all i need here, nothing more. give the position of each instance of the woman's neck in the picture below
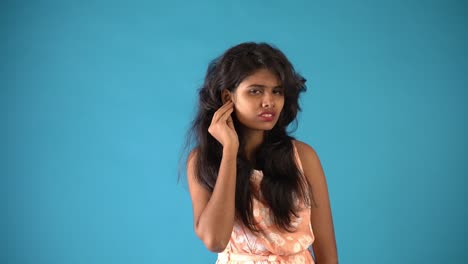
(253, 139)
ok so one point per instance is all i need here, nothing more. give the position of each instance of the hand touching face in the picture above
(222, 127)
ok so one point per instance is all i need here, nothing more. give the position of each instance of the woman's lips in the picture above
(267, 116)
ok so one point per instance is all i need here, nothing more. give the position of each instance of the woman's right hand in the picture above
(222, 126)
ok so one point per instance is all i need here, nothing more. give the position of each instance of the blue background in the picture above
(96, 97)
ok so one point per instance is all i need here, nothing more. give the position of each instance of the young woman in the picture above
(258, 195)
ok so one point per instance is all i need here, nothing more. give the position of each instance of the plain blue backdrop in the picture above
(96, 97)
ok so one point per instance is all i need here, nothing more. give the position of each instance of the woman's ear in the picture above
(225, 96)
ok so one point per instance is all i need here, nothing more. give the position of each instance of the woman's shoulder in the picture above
(193, 153)
(306, 152)
(192, 158)
(303, 148)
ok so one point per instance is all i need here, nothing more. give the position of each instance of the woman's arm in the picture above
(213, 213)
(324, 246)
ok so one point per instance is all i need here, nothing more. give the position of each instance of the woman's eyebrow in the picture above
(263, 86)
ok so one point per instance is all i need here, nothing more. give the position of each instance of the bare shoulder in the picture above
(305, 151)
(192, 158)
(310, 161)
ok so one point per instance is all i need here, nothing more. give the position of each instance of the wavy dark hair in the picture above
(282, 181)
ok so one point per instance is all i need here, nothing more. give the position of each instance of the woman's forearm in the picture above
(215, 224)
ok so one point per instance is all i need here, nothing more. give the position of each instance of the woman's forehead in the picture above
(262, 77)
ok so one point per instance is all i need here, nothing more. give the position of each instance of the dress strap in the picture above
(298, 159)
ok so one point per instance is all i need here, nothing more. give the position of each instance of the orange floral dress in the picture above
(271, 245)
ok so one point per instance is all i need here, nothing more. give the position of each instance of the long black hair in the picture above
(282, 182)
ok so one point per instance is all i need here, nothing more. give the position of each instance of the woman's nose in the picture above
(268, 100)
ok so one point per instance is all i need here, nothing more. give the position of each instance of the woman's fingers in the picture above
(221, 111)
(230, 123)
(226, 114)
(222, 127)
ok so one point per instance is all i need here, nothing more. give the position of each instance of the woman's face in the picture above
(258, 100)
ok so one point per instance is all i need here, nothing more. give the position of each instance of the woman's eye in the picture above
(279, 92)
(254, 91)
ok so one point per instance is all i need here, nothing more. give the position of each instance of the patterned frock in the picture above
(271, 245)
